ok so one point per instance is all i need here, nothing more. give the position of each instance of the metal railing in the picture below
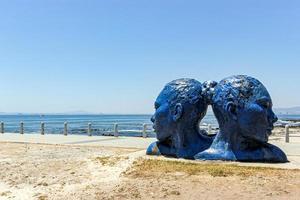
(287, 125)
(90, 128)
(288, 135)
(144, 130)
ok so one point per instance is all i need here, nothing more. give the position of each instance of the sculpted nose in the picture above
(152, 119)
(275, 119)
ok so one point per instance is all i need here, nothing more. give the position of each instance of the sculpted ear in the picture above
(178, 111)
(231, 109)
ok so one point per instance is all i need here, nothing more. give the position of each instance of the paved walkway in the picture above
(292, 149)
(111, 141)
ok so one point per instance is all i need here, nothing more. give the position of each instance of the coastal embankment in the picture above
(40, 167)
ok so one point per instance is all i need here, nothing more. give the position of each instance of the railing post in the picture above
(42, 128)
(287, 133)
(209, 129)
(89, 129)
(66, 128)
(22, 128)
(2, 127)
(144, 130)
(116, 133)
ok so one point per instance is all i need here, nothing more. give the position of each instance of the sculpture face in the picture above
(162, 118)
(256, 119)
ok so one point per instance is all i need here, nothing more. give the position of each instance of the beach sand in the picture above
(34, 171)
(40, 171)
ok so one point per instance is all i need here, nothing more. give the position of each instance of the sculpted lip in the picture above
(154, 127)
(270, 128)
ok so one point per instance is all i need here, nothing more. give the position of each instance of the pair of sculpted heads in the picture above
(243, 108)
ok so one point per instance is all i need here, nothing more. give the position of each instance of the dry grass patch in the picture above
(110, 160)
(144, 167)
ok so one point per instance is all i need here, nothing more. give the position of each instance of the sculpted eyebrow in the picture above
(264, 101)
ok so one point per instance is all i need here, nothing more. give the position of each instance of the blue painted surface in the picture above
(180, 106)
(243, 108)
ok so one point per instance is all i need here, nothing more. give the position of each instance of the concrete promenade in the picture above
(292, 149)
(110, 141)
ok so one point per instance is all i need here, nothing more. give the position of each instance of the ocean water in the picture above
(128, 125)
(77, 124)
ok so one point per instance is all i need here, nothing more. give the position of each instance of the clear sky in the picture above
(115, 56)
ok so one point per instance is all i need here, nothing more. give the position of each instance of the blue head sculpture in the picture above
(243, 108)
(179, 109)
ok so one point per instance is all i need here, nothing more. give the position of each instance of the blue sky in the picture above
(115, 56)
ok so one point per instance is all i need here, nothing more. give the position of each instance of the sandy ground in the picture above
(35, 171)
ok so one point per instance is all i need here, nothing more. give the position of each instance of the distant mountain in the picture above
(9, 113)
(288, 111)
(80, 112)
(62, 113)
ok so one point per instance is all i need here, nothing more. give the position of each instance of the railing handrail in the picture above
(116, 128)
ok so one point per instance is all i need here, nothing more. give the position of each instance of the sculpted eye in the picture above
(265, 106)
(156, 105)
(265, 103)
